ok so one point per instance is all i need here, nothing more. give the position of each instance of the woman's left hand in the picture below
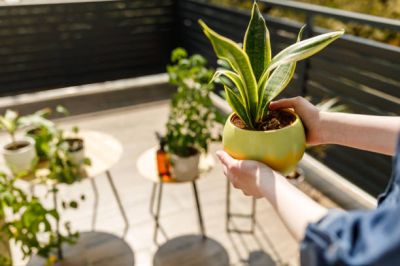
(251, 177)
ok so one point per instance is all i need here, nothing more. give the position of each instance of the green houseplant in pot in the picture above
(29, 223)
(192, 116)
(252, 79)
(19, 154)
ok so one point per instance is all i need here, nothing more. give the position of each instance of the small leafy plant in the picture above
(11, 121)
(252, 78)
(192, 115)
(62, 168)
(29, 223)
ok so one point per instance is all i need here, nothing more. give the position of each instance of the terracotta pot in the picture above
(280, 149)
(185, 168)
(20, 160)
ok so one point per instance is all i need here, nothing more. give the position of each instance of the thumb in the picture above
(225, 158)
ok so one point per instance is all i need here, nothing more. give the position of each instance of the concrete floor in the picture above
(271, 244)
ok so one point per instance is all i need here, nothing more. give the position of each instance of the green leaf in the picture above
(276, 83)
(62, 110)
(235, 79)
(178, 53)
(9, 121)
(256, 42)
(301, 50)
(304, 49)
(73, 204)
(230, 51)
(237, 106)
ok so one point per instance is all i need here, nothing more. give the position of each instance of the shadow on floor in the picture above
(259, 238)
(260, 258)
(94, 249)
(193, 250)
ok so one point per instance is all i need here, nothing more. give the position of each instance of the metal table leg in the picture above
(153, 195)
(200, 216)
(230, 215)
(121, 208)
(96, 202)
(55, 203)
(155, 211)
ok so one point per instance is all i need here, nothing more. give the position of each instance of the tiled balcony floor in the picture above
(134, 127)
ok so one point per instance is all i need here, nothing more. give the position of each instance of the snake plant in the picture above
(253, 78)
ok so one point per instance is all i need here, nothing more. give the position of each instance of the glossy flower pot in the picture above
(280, 149)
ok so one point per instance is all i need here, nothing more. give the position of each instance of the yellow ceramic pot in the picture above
(280, 149)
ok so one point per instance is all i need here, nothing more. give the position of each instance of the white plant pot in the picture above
(185, 168)
(20, 160)
(77, 157)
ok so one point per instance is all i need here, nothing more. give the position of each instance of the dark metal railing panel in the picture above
(346, 16)
(54, 45)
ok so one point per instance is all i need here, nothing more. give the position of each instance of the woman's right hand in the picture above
(309, 114)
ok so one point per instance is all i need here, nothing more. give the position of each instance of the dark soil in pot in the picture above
(188, 152)
(276, 119)
(16, 145)
(294, 176)
(74, 144)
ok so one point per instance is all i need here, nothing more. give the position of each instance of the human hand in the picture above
(309, 114)
(252, 177)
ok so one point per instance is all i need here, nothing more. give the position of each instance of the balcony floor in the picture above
(271, 244)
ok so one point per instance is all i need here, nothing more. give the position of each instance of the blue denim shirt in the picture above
(358, 237)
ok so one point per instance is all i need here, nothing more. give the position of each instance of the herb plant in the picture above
(11, 121)
(254, 77)
(29, 223)
(52, 145)
(192, 115)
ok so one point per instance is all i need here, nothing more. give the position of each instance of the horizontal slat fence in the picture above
(364, 74)
(55, 45)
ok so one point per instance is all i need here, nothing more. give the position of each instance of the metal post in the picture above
(96, 202)
(121, 208)
(253, 215)
(230, 215)
(152, 197)
(228, 206)
(200, 216)
(157, 213)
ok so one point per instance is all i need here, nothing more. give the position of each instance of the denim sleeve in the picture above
(353, 238)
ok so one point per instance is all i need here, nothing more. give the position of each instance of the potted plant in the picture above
(192, 115)
(45, 133)
(252, 79)
(19, 154)
(76, 147)
(34, 227)
(29, 223)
